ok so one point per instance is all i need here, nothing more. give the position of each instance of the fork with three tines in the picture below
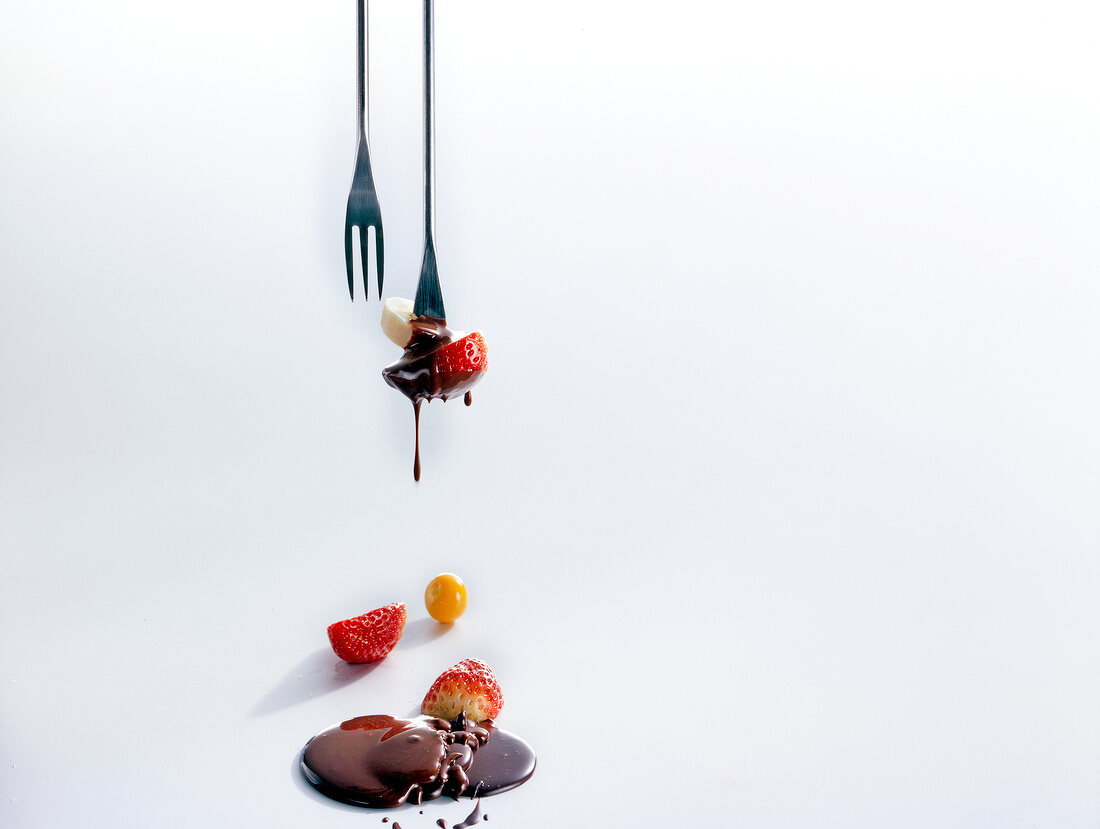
(363, 210)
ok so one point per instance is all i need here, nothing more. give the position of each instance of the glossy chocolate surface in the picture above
(416, 376)
(502, 763)
(383, 761)
(414, 373)
(375, 761)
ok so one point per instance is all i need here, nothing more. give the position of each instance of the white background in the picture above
(779, 504)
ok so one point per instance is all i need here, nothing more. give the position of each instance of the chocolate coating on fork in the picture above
(414, 373)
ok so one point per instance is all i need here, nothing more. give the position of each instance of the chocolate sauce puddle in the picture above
(382, 761)
(415, 374)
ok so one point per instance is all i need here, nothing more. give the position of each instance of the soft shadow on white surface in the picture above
(319, 673)
(322, 672)
(422, 631)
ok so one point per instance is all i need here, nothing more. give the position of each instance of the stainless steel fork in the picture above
(429, 297)
(363, 209)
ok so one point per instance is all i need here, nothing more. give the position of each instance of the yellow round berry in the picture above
(445, 597)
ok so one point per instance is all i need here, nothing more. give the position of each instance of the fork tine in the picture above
(378, 253)
(348, 261)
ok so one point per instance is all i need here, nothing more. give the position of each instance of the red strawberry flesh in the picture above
(436, 363)
(370, 637)
(468, 687)
(458, 361)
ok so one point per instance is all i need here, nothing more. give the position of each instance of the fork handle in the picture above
(361, 77)
(429, 119)
(429, 298)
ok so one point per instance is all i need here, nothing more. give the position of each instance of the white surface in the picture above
(791, 424)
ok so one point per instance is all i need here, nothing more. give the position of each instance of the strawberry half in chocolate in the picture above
(468, 688)
(438, 363)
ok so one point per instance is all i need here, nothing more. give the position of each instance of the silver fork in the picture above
(363, 209)
(429, 297)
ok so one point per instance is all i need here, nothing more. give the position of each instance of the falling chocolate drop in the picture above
(468, 399)
(416, 418)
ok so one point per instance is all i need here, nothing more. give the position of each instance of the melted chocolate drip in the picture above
(414, 373)
(472, 818)
(416, 418)
(382, 761)
(469, 398)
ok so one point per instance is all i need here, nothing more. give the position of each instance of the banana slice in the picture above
(396, 314)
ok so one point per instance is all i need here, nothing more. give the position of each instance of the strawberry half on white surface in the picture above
(370, 637)
(468, 687)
